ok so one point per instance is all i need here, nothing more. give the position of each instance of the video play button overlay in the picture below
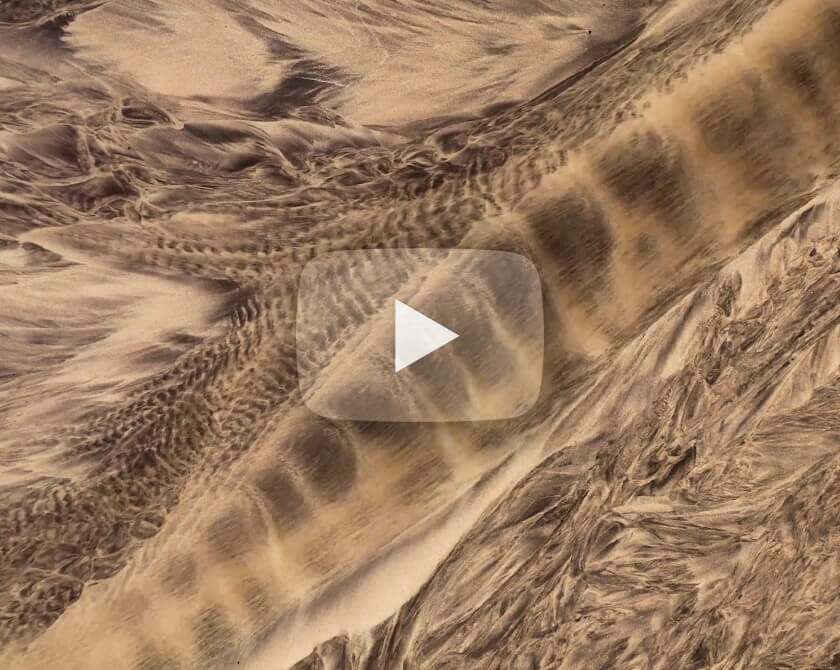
(419, 335)
(416, 335)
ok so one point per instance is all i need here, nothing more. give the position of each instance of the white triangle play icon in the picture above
(416, 335)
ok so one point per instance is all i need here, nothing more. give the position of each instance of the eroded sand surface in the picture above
(671, 167)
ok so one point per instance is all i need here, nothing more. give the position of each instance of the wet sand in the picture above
(167, 501)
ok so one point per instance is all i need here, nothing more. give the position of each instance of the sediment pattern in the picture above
(167, 501)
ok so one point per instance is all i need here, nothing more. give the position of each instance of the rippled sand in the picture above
(166, 169)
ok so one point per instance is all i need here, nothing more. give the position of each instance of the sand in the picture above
(167, 169)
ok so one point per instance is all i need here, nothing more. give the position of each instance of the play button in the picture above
(416, 335)
(419, 335)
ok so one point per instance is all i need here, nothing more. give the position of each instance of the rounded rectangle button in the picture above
(420, 335)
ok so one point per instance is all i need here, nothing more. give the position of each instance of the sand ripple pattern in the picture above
(166, 169)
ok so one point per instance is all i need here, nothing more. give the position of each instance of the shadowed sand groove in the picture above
(167, 169)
